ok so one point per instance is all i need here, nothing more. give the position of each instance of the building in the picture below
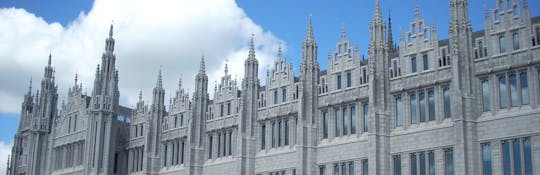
(464, 105)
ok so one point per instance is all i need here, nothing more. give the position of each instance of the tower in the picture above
(250, 87)
(197, 125)
(378, 91)
(157, 112)
(306, 129)
(102, 131)
(463, 112)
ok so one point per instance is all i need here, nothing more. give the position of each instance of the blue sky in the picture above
(285, 20)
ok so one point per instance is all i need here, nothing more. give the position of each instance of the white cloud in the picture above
(148, 33)
(5, 150)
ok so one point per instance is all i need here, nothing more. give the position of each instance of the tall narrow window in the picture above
(353, 119)
(218, 145)
(228, 108)
(365, 118)
(425, 62)
(502, 44)
(273, 134)
(527, 156)
(449, 162)
(338, 81)
(507, 168)
(413, 64)
(397, 165)
(422, 97)
(414, 169)
(279, 134)
(446, 94)
(414, 114)
(431, 162)
(343, 169)
(210, 146)
(365, 167)
(516, 148)
(481, 49)
(275, 97)
(325, 124)
(263, 137)
(399, 111)
(221, 110)
(337, 122)
(336, 169)
(345, 121)
(349, 79)
(503, 96)
(322, 169)
(523, 82)
(284, 95)
(230, 143)
(431, 105)
(515, 37)
(485, 95)
(422, 158)
(286, 123)
(486, 159)
(513, 90)
(351, 168)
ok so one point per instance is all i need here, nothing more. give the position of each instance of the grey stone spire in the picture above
(390, 35)
(309, 35)
(377, 13)
(159, 83)
(202, 66)
(343, 35)
(417, 11)
(251, 48)
(109, 43)
(280, 54)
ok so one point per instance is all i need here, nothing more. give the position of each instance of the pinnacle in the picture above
(50, 58)
(343, 35)
(202, 68)
(252, 48)
(111, 31)
(309, 35)
(159, 83)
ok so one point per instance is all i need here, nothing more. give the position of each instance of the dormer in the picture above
(508, 27)
(226, 97)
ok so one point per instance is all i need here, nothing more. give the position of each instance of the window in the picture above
(338, 81)
(481, 49)
(485, 95)
(502, 44)
(273, 134)
(503, 97)
(366, 121)
(422, 158)
(507, 169)
(286, 123)
(336, 121)
(426, 62)
(219, 145)
(263, 137)
(486, 159)
(517, 156)
(322, 169)
(413, 64)
(345, 121)
(513, 90)
(446, 94)
(523, 82)
(414, 169)
(228, 108)
(325, 125)
(414, 116)
(515, 37)
(365, 167)
(448, 162)
(209, 146)
(399, 111)
(353, 119)
(397, 165)
(343, 169)
(221, 110)
(349, 79)
(431, 105)
(351, 168)
(275, 97)
(422, 97)
(431, 162)
(284, 95)
(527, 155)
(279, 134)
(336, 169)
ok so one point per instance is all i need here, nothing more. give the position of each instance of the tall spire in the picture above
(226, 69)
(343, 35)
(50, 58)
(159, 83)
(251, 48)
(140, 95)
(30, 86)
(109, 42)
(390, 35)
(202, 67)
(111, 31)
(377, 13)
(417, 11)
(76, 78)
(309, 35)
(180, 82)
(280, 54)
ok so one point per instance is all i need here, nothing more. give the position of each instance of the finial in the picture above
(180, 82)
(30, 86)
(309, 36)
(280, 54)
(140, 95)
(76, 78)
(202, 67)
(417, 11)
(377, 13)
(50, 58)
(111, 30)
(343, 31)
(252, 47)
(159, 83)
(226, 67)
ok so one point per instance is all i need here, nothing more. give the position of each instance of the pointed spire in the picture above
(202, 67)
(377, 12)
(279, 53)
(159, 83)
(309, 35)
(226, 68)
(251, 48)
(343, 31)
(111, 31)
(76, 78)
(30, 86)
(180, 82)
(390, 35)
(140, 95)
(50, 58)
(417, 11)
